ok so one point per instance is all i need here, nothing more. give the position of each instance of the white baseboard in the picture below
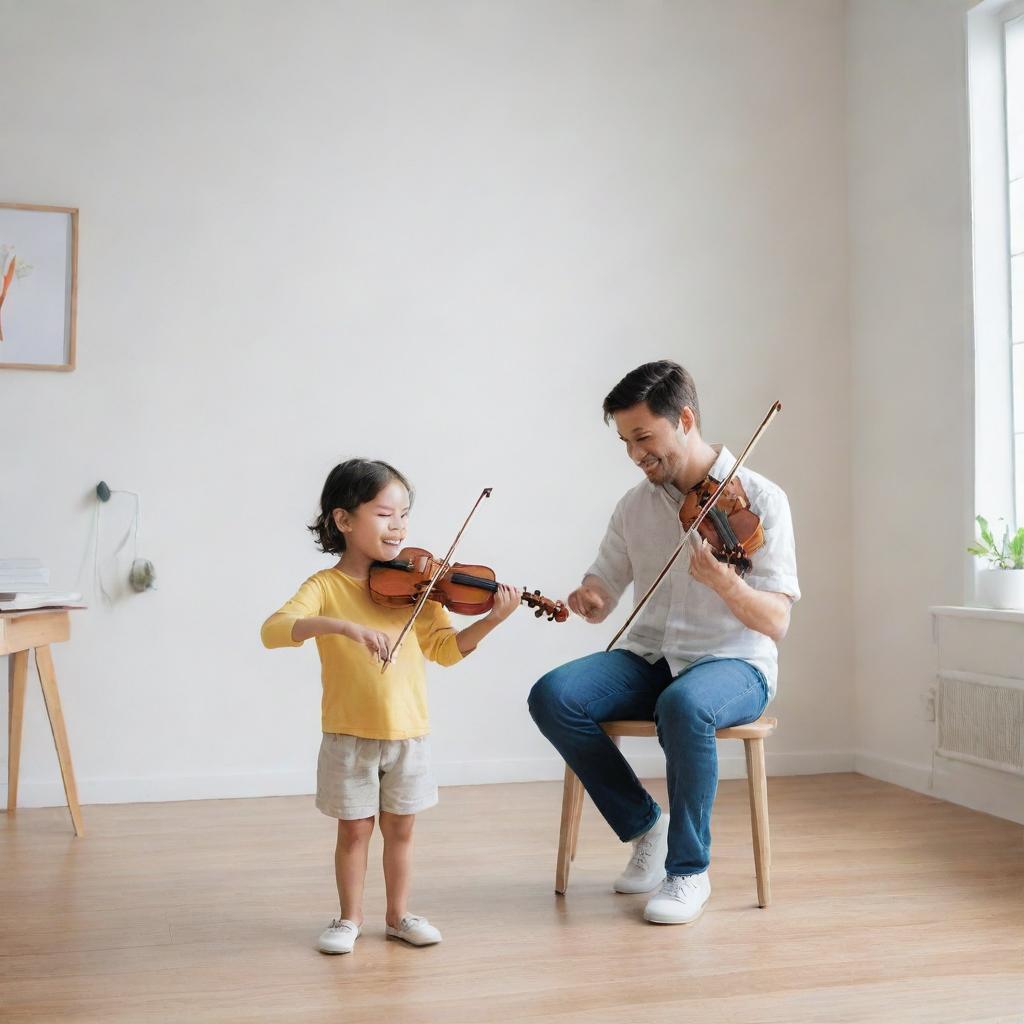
(160, 789)
(647, 766)
(734, 766)
(981, 789)
(50, 793)
(900, 773)
(290, 783)
(969, 785)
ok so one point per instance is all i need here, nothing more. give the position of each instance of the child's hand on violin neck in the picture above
(589, 603)
(375, 641)
(506, 601)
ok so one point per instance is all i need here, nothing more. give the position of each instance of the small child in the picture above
(375, 756)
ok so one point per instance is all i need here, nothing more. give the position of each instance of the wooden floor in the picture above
(888, 906)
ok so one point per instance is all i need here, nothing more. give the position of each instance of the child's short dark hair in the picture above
(349, 485)
(665, 386)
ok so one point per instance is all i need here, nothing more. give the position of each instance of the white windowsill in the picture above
(992, 614)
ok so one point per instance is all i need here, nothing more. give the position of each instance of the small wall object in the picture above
(142, 574)
(38, 286)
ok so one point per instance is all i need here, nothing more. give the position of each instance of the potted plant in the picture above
(1002, 584)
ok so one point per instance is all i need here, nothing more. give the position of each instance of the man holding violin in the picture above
(700, 656)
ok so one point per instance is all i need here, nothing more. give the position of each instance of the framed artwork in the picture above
(38, 286)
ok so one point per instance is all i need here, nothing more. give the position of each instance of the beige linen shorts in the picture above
(356, 777)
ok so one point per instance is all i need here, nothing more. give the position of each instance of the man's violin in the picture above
(731, 527)
(464, 589)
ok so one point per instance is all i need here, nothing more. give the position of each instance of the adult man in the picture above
(701, 655)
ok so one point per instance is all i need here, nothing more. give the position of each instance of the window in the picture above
(1015, 194)
(995, 65)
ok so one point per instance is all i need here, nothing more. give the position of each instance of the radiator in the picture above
(980, 719)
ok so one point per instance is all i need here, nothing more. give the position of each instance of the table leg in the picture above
(17, 676)
(48, 681)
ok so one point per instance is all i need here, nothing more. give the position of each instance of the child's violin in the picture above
(464, 589)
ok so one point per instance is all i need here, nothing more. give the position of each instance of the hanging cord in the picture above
(89, 554)
(133, 528)
(141, 576)
(97, 574)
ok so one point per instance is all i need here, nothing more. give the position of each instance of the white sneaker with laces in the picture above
(680, 900)
(338, 937)
(646, 868)
(417, 931)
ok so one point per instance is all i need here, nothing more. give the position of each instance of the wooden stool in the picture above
(753, 736)
(20, 632)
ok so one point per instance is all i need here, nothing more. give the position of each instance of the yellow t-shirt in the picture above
(357, 698)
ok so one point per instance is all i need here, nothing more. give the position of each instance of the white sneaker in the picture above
(646, 868)
(417, 931)
(680, 900)
(338, 937)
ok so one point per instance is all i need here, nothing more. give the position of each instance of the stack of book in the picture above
(25, 583)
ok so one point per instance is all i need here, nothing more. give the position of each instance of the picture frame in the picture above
(38, 286)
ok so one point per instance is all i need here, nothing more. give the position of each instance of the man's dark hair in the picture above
(665, 386)
(349, 485)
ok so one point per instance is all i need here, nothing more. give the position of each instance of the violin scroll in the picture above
(555, 611)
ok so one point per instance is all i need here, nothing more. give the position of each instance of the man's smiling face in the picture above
(655, 444)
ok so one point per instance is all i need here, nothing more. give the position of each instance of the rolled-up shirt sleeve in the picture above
(612, 565)
(774, 564)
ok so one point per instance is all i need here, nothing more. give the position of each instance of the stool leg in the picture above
(568, 833)
(577, 814)
(757, 781)
(48, 681)
(17, 676)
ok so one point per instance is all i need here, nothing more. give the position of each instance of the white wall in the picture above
(435, 234)
(912, 373)
(930, 369)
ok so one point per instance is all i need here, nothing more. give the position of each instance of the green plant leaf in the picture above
(1017, 549)
(986, 533)
(986, 548)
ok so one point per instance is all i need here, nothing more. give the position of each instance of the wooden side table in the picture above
(36, 630)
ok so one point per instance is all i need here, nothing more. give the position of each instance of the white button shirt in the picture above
(685, 620)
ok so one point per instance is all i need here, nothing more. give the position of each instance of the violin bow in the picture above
(425, 593)
(776, 408)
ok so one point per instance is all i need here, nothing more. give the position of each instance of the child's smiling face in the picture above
(376, 529)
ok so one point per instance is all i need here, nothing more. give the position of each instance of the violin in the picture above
(464, 589)
(731, 527)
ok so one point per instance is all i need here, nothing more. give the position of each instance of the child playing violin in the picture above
(374, 757)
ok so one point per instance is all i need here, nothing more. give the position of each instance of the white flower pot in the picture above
(1001, 588)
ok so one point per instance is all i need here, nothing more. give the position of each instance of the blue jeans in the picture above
(568, 703)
